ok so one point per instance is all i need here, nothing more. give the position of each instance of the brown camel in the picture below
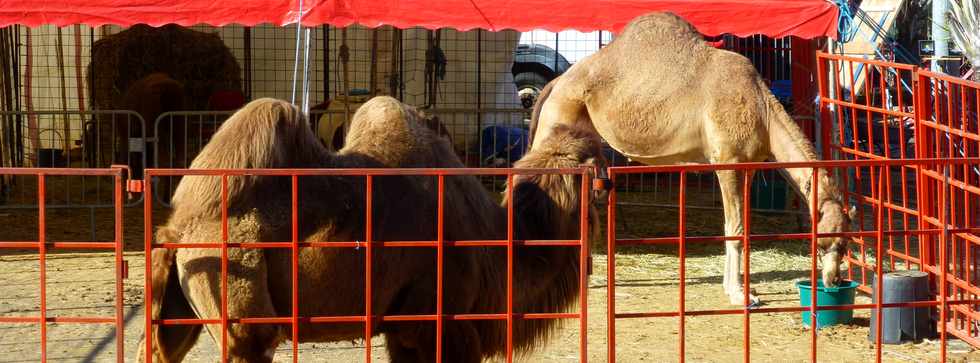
(383, 133)
(659, 94)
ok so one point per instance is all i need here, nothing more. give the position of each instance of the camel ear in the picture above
(852, 213)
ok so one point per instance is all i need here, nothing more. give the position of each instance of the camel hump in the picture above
(660, 27)
(381, 109)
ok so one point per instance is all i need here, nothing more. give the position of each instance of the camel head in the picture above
(153, 95)
(833, 219)
(555, 199)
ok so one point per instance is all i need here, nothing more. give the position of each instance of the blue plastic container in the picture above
(842, 294)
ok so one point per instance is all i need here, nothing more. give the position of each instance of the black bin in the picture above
(903, 323)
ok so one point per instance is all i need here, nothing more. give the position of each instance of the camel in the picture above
(659, 94)
(384, 133)
(150, 97)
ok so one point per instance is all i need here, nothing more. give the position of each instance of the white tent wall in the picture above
(54, 81)
(478, 74)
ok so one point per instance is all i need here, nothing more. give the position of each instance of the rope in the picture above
(374, 63)
(60, 53)
(435, 67)
(846, 30)
(79, 80)
(32, 130)
(344, 58)
(394, 82)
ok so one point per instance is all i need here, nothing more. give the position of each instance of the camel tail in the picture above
(536, 111)
(172, 342)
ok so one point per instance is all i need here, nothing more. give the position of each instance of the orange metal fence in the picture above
(867, 114)
(873, 235)
(370, 244)
(44, 246)
(947, 127)
(907, 148)
(882, 110)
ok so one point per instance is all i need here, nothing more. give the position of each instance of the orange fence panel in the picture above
(947, 128)
(867, 113)
(875, 235)
(372, 248)
(44, 246)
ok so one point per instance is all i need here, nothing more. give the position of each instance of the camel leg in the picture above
(248, 296)
(416, 343)
(170, 343)
(731, 194)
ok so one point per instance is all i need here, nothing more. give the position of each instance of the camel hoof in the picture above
(739, 299)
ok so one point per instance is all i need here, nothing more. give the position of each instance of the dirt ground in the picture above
(82, 284)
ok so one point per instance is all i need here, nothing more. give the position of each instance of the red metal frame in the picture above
(369, 244)
(947, 123)
(891, 107)
(938, 232)
(944, 113)
(43, 247)
(879, 233)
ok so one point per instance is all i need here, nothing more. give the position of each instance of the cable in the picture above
(846, 30)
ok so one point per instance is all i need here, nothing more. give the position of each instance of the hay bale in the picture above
(198, 60)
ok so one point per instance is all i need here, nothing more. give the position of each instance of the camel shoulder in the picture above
(732, 63)
(737, 72)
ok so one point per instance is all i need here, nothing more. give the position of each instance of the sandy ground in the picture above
(82, 284)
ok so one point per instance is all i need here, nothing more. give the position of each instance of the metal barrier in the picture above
(482, 138)
(867, 114)
(370, 244)
(182, 134)
(178, 137)
(875, 236)
(73, 139)
(947, 127)
(44, 245)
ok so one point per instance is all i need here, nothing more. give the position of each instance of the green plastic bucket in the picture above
(843, 294)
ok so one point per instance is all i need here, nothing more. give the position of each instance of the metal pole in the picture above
(299, 35)
(940, 35)
(306, 73)
(326, 62)
(247, 48)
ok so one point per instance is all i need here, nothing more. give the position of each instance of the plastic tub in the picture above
(843, 294)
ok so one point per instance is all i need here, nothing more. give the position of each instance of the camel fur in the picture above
(659, 94)
(384, 133)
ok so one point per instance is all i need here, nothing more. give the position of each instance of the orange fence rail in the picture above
(906, 146)
(873, 124)
(44, 246)
(874, 235)
(370, 244)
(904, 112)
(947, 127)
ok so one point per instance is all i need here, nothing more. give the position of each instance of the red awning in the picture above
(775, 18)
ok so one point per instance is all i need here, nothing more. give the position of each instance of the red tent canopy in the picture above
(775, 18)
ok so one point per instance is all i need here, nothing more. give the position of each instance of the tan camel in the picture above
(659, 94)
(383, 133)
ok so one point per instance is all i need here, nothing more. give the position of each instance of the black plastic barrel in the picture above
(899, 324)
